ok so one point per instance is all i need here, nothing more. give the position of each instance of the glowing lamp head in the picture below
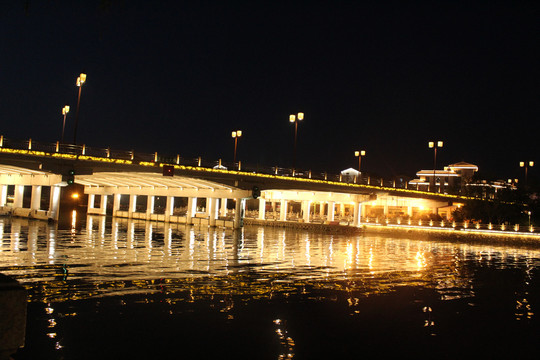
(65, 110)
(531, 163)
(362, 153)
(238, 133)
(521, 163)
(439, 143)
(431, 144)
(357, 153)
(300, 116)
(81, 79)
(233, 134)
(75, 195)
(292, 118)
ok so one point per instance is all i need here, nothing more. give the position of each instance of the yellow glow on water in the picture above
(73, 219)
(420, 260)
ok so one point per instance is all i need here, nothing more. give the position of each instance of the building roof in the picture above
(350, 171)
(428, 173)
(463, 165)
(140, 183)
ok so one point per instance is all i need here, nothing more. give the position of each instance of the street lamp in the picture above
(65, 110)
(294, 119)
(434, 145)
(359, 154)
(80, 81)
(236, 134)
(526, 165)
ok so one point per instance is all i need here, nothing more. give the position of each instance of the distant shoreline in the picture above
(418, 232)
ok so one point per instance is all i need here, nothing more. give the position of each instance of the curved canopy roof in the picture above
(141, 183)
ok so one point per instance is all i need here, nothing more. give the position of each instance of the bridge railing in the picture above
(135, 156)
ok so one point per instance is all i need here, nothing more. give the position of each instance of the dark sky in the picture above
(383, 76)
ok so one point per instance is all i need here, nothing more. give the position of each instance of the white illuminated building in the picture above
(457, 174)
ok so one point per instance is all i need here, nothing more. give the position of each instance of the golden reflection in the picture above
(421, 262)
(129, 255)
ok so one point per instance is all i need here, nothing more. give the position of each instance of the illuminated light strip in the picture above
(499, 232)
(235, 172)
(508, 233)
(420, 227)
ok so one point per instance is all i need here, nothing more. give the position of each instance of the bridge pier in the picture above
(191, 210)
(223, 207)
(262, 209)
(283, 210)
(331, 210)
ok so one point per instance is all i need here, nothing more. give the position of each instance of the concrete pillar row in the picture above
(306, 205)
(91, 199)
(149, 206)
(103, 205)
(132, 205)
(3, 195)
(35, 202)
(116, 203)
(18, 197)
(331, 210)
(283, 210)
(357, 214)
(169, 208)
(223, 207)
(239, 210)
(54, 202)
(191, 210)
(262, 209)
(212, 206)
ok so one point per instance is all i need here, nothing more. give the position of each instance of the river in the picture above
(120, 289)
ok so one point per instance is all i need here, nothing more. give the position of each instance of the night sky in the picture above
(381, 76)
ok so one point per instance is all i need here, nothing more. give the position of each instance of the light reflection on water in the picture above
(106, 258)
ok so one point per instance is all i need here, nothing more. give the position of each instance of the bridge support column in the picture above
(103, 205)
(331, 210)
(342, 210)
(54, 202)
(18, 197)
(3, 195)
(149, 206)
(169, 207)
(223, 207)
(191, 209)
(321, 209)
(357, 214)
(132, 205)
(262, 209)
(283, 210)
(91, 199)
(35, 202)
(239, 209)
(306, 204)
(212, 206)
(116, 203)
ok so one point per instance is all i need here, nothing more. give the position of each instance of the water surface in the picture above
(112, 288)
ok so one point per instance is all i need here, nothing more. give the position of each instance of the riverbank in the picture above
(493, 237)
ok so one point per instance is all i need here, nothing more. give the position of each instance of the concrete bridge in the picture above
(150, 189)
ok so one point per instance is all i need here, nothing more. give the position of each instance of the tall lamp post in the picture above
(236, 134)
(65, 110)
(526, 165)
(294, 119)
(434, 145)
(359, 154)
(80, 81)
